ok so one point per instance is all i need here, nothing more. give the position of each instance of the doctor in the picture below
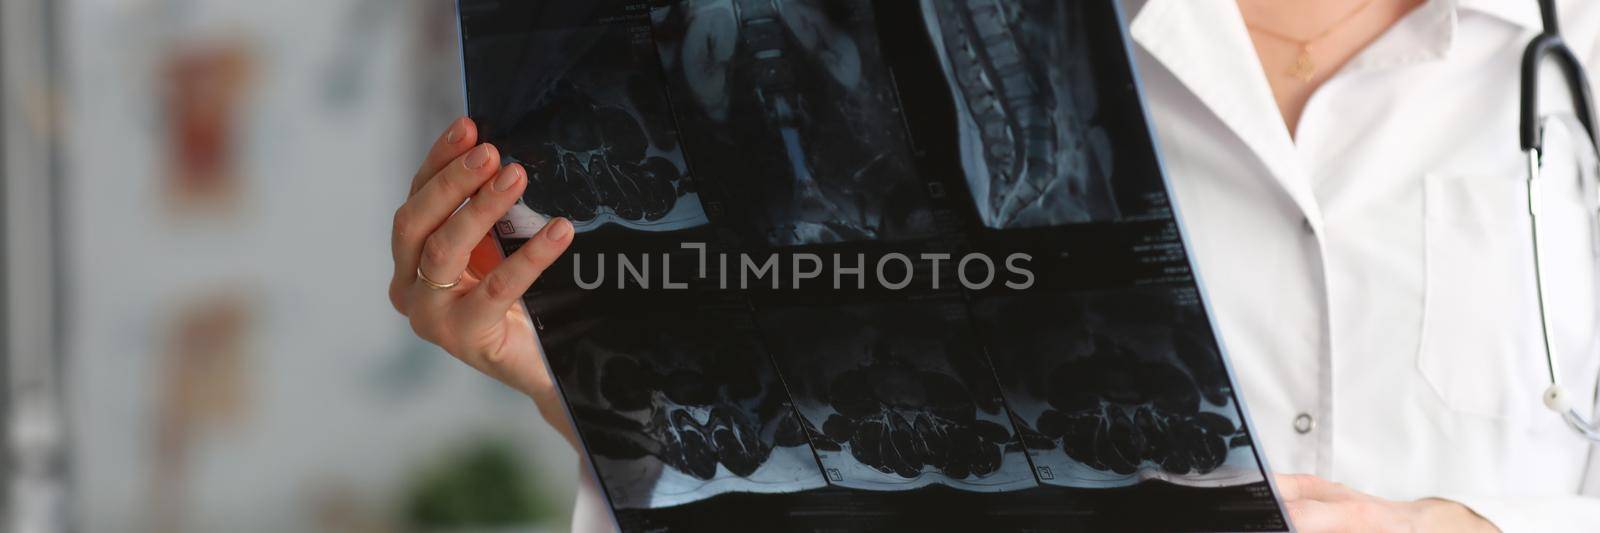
(1349, 175)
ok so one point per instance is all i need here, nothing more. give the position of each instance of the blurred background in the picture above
(195, 198)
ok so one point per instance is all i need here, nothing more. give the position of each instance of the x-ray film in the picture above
(863, 265)
(576, 97)
(897, 396)
(677, 408)
(1026, 102)
(790, 107)
(1113, 388)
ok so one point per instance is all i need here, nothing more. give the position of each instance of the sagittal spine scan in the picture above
(1033, 156)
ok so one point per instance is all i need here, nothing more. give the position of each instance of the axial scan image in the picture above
(568, 90)
(896, 396)
(678, 407)
(790, 107)
(1027, 107)
(1112, 388)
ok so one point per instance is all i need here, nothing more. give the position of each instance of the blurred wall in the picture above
(232, 363)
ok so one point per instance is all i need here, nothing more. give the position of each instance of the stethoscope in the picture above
(1549, 45)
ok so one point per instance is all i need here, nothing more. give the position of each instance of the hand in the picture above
(477, 321)
(1317, 505)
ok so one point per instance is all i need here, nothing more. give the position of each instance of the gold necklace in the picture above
(1304, 68)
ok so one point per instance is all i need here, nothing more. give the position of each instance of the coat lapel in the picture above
(1205, 44)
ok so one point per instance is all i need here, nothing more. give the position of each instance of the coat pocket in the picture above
(1481, 348)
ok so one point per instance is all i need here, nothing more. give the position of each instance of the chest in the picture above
(1386, 247)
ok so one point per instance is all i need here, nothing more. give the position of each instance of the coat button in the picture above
(1303, 424)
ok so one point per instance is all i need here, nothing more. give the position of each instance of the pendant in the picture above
(1304, 68)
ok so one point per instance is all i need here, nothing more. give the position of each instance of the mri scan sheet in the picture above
(901, 396)
(676, 407)
(577, 98)
(1114, 388)
(798, 94)
(863, 265)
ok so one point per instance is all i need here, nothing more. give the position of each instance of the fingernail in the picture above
(558, 230)
(454, 135)
(478, 158)
(508, 177)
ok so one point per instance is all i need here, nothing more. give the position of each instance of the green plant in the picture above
(484, 485)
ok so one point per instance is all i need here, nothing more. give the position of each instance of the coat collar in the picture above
(1524, 13)
(1205, 45)
(1425, 34)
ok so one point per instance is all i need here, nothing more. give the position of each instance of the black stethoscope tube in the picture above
(1549, 45)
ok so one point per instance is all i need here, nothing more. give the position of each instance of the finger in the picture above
(1288, 487)
(1307, 487)
(460, 136)
(446, 253)
(430, 207)
(1311, 516)
(489, 301)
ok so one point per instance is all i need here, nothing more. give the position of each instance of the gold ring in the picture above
(436, 285)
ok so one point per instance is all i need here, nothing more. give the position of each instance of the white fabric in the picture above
(590, 514)
(1374, 273)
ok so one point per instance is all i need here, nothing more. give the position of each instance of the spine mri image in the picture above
(679, 407)
(1026, 102)
(580, 104)
(796, 115)
(858, 129)
(897, 396)
(1111, 388)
